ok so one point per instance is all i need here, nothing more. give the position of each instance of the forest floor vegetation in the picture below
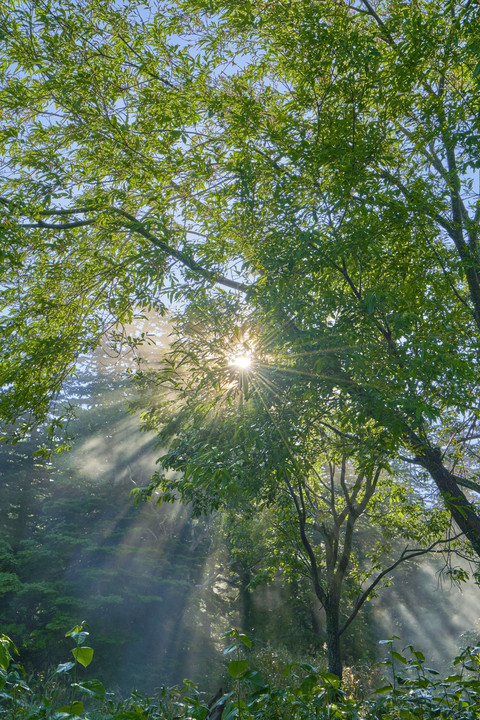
(409, 690)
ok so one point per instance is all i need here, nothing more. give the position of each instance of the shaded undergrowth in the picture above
(410, 690)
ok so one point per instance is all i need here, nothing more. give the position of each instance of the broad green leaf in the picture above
(331, 679)
(76, 629)
(92, 688)
(245, 640)
(398, 657)
(78, 633)
(308, 684)
(233, 632)
(83, 655)
(76, 708)
(230, 712)
(79, 637)
(236, 668)
(4, 655)
(253, 677)
(307, 666)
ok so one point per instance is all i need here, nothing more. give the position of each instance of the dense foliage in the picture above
(300, 178)
(316, 158)
(412, 690)
(158, 586)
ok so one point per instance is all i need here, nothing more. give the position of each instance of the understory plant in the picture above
(411, 690)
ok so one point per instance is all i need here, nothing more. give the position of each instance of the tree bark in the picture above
(462, 510)
(248, 622)
(332, 611)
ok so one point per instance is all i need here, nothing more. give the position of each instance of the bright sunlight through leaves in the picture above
(242, 362)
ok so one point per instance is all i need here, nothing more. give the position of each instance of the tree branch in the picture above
(138, 227)
(380, 23)
(386, 175)
(59, 226)
(319, 591)
(406, 555)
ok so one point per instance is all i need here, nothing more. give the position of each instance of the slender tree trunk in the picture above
(248, 622)
(23, 504)
(332, 610)
(315, 624)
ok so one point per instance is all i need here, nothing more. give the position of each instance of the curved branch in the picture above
(443, 222)
(314, 573)
(138, 227)
(406, 555)
(59, 226)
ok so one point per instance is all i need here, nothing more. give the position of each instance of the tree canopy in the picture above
(237, 435)
(311, 163)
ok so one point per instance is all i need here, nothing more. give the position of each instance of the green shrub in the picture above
(411, 690)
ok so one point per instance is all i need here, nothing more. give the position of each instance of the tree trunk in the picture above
(463, 512)
(247, 608)
(332, 610)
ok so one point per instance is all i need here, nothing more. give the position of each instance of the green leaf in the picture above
(453, 678)
(245, 640)
(4, 655)
(307, 666)
(78, 633)
(253, 677)
(83, 655)
(76, 708)
(64, 667)
(75, 630)
(331, 679)
(92, 688)
(233, 632)
(231, 711)
(80, 637)
(398, 657)
(236, 668)
(232, 648)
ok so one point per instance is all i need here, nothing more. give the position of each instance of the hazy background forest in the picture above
(157, 587)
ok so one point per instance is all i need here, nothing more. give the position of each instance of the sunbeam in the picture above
(242, 362)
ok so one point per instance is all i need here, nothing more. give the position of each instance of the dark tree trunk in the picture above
(315, 624)
(248, 611)
(463, 512)
(335, 664)
(216, 706)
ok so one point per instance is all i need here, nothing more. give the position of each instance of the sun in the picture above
(242, 362)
